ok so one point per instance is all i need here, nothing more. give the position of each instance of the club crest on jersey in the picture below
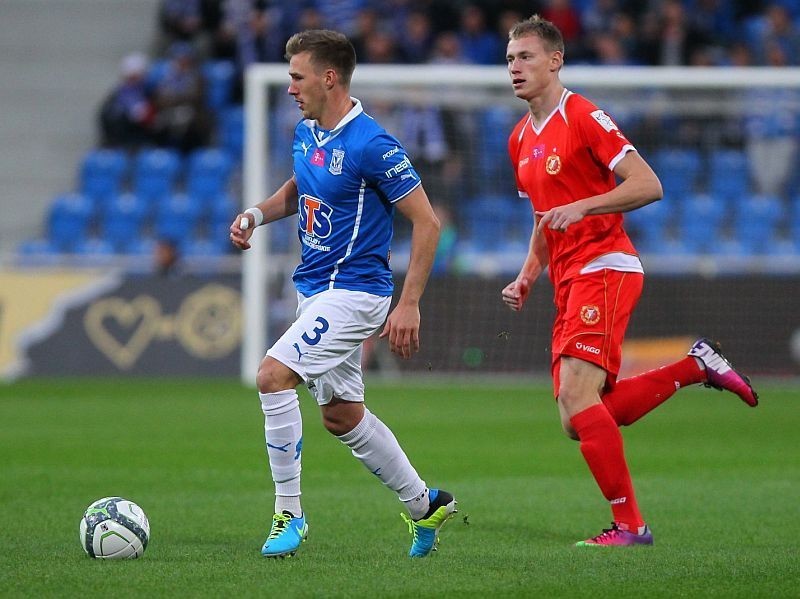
(590, 314)
(337, 156)
(315, 221)
(553, 164)
(318, 157)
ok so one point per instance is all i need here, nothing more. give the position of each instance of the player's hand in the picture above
(402, 329)
(560, 217)
(515, 294)
(241, 230)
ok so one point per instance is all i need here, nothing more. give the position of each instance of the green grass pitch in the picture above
(718, 482)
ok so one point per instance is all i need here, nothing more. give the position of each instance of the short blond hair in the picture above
(542, 28)
(328, 49)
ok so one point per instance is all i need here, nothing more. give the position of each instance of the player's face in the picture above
(307, 86)
(531, 66)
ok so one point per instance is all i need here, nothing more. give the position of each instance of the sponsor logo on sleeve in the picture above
(391, 152)
(398, 168)
(605, 121)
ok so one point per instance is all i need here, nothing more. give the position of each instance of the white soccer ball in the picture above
(114, 528)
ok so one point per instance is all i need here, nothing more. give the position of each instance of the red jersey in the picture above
(571, 158)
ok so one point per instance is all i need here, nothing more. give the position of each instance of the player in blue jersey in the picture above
(349, 176)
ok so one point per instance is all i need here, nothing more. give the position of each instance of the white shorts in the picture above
(323, 345)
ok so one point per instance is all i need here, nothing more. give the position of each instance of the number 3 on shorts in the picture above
(317, 332)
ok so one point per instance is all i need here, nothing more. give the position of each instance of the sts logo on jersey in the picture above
(315, 222)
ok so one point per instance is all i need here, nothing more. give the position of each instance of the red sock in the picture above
(601, 446)
(634, 397)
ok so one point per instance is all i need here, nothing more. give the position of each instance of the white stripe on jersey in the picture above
(356, 226)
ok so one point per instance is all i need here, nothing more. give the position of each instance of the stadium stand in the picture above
(102, 173)
(177, 219)
(124, 222)
(758, 222)
(156, 174)
(125, 196)
(69, 221)
(702, 221)
(207, 175)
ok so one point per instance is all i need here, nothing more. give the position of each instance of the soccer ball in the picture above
(114, 528)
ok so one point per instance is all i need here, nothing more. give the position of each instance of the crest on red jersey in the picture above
(590, 314)
(553, 164)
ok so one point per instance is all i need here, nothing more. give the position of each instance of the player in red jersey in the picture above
(567, 154)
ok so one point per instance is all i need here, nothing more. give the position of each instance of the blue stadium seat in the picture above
(156, 173)
(177, 218)
(102, 173)
(702, 218)
(757, 222)
(99, 249)
(202, 248)
(208, 173)
(219, 75)
(728, 174)
(35, 252)
(678, 169)
(231, 132)
(650, 226)
(95, 252)
(69, 220)
(221, 215)
(494, 125)
(143, 247)
(487, 219)
(794, 219)
(123, 221)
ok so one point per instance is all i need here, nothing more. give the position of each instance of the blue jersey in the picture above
(348, 180)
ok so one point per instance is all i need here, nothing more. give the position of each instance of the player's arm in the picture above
(516, 293)
(279, 205)
(402, 326)
(638, 187)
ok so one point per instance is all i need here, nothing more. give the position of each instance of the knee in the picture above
(273, 377)
(341, 418)
(335, 424)
(568, 430)
(569, 404)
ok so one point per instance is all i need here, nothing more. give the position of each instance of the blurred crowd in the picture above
(619, 32)
(166, 105)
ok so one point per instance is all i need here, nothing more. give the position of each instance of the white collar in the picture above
(353, 113)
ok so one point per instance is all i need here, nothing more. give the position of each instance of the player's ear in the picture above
(331, 78)
(556, 61)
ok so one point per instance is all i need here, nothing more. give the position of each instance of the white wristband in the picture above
(258, 216)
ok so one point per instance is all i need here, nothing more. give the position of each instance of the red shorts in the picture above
(592, 314)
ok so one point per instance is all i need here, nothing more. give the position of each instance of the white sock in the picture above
(420, 505)
(376, 447)
(283, 431)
